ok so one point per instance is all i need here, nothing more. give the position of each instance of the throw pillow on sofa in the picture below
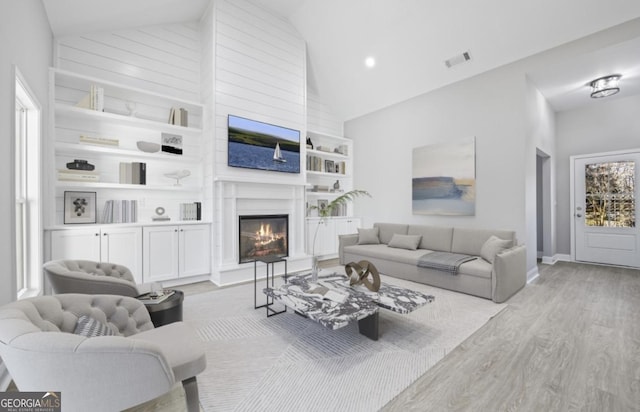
(409, 242)
(368, 236)
(492, 247)
(91, 327)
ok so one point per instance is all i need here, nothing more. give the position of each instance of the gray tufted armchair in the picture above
(103, 373)
(85, 276)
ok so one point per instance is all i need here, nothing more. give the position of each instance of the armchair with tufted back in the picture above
(103, 373)
(85, 276)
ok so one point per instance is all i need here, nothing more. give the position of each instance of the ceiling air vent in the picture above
(460, 58)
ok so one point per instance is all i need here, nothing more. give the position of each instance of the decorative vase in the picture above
(314, 269)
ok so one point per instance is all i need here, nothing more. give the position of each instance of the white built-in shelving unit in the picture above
(130, 115)
(337, 150)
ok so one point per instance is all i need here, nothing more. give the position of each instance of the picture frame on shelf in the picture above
(79, 207)
(322, 204)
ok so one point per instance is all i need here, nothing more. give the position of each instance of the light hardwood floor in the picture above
(569, 341)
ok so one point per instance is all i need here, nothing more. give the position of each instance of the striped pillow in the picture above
(91, 327)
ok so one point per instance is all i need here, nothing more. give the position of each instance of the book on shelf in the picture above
(70, 175)
(133, 173)
(94, 100)
(100, 141)
(120, 211)
(152, 298)
(191, 211)
(179, 116)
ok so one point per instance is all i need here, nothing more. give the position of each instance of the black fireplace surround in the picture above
(262, 235)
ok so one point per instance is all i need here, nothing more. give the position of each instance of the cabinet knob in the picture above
(104, 234)
(175, 230)
(182, 230)
(97, 234)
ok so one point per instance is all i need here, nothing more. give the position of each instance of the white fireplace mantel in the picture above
(237, 196)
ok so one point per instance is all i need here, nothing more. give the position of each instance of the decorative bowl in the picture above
(148, 147)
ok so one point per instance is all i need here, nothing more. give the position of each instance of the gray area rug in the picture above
(289, 363)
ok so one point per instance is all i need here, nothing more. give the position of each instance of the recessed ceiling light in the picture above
(605, 86)
(370, 62)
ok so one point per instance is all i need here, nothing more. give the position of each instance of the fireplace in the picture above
(263, 235)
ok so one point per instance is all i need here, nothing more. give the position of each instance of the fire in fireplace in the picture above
(263, 235)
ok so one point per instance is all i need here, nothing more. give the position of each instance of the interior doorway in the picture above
(605, 208)
(543, 207)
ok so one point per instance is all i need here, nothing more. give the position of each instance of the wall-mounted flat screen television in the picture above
(264, 146)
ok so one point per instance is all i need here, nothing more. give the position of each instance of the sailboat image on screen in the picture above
(277, 156)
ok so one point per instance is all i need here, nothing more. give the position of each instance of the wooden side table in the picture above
(267, 260)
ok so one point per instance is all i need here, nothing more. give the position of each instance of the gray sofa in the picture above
(495, 276)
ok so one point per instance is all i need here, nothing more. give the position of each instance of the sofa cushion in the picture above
(493, 246)
(477, 267)
(91, 327)
(368, 236)
(433, 237)
(409, 242)
(470, 241)
(382, 251)
(387, 230)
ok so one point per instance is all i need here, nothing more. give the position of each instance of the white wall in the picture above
(26, 42)
(608, 126)
(384, 141)
(540, 136)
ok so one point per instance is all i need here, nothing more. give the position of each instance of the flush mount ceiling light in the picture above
(605, 86)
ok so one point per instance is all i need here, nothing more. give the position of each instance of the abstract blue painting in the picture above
(444, 178)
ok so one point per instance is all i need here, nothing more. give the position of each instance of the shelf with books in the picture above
(74, 149)
(116, 127)
(75, 113)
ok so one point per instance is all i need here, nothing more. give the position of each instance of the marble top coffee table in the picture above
(349, 303)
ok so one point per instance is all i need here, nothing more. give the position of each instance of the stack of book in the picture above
(120, 211)
(133, 173)
(191, 211)
(179, 116)
(71, 175)
(94, 100)
(100, 141)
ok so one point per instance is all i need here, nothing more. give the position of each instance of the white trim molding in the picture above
(532, 274)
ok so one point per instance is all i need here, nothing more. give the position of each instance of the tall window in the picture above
(27, 190)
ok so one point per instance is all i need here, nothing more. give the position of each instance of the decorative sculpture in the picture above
(358, 274)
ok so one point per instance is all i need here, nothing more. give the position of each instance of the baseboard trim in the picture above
(562, 258)
(5, 378)
(532, 274)
(558, 257)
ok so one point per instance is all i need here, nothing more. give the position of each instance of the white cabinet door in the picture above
(347, 226)
(195, 250)
(160, 253)
(80, 244)
(123, 246)
(325, 243)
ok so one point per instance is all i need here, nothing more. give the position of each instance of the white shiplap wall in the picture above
(164, 59)
(259, 74)
(320, 117)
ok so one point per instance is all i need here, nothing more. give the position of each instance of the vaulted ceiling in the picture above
(409, 39)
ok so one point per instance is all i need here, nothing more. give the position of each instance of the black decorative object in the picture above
(309, 143)
(79, 164)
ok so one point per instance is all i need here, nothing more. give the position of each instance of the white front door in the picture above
(605, 209)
